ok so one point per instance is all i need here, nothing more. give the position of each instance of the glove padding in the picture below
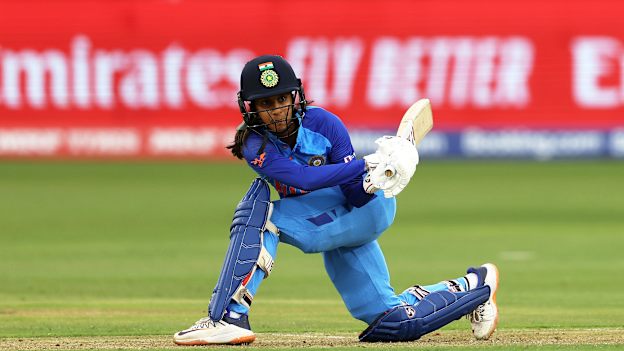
(372, 163)
(393, 153)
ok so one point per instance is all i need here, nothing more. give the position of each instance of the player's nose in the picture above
(279, 110)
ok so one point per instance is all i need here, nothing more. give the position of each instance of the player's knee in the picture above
(310, 249)
(305, 243)
(311, 245)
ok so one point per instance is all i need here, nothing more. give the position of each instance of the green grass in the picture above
(135, 248)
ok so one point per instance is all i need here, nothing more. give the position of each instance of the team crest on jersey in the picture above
(317, 160)
(269, 78)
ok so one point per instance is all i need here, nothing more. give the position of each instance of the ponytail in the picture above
(242, 132)
(239, 139)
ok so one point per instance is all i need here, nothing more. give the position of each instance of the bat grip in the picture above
(389, 171)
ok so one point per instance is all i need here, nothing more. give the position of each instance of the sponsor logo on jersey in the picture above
(349, 158)
(259, 161)
(317, 160)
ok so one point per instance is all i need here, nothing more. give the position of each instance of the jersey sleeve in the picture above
(342, 152)
(271, 163)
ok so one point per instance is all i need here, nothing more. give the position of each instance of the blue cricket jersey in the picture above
(322, 157)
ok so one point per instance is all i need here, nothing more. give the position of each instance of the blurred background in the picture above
(158, 79)
(116, 190)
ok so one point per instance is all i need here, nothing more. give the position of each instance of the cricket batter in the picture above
(326, 207)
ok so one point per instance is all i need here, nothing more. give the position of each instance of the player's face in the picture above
(276, 112)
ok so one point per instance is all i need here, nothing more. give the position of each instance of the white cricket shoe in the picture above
(206, 331)
(485, 317)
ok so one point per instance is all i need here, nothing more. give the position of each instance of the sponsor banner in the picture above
(510, 143)
(166, 142)
(143, 78)
(160, 142)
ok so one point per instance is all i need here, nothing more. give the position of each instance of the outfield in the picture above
(122, 255)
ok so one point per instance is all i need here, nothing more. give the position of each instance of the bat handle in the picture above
(390, 171)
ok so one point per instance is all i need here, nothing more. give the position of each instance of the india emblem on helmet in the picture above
(269, 78)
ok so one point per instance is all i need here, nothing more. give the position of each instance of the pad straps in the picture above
(246, 251)
(265, 261)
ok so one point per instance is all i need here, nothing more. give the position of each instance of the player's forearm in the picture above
(313, 178)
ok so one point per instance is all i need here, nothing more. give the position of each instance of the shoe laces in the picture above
(205, 322)
(478, 314)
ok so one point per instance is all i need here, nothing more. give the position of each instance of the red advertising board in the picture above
(149, 78)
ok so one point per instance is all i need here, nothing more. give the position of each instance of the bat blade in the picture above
(417, 121)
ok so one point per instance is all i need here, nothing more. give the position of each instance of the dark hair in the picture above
(236, 147)
(242, 132)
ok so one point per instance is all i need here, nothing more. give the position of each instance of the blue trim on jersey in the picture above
(309, 144)
(322, 140)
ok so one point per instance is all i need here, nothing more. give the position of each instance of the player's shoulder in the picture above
(321, 114)
(253, 143)
(319, 119)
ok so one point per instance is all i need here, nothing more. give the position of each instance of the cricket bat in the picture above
(417, 121)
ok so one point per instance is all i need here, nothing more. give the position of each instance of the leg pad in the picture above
(246, 252)
(410, 322)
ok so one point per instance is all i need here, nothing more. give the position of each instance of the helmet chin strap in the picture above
(293, 122)
(249, 116)
(289, 130)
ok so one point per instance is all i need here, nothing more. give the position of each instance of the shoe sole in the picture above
(243, 340)
(492, 267)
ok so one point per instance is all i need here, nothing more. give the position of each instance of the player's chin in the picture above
(278, 128)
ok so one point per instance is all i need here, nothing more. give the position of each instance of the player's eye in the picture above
(282, 98)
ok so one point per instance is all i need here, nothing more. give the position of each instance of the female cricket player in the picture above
(326, 207)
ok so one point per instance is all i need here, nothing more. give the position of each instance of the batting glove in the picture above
(396, 155)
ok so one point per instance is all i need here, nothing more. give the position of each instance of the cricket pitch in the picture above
(442, 339)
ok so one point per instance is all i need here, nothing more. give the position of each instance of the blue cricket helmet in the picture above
(267, 75)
